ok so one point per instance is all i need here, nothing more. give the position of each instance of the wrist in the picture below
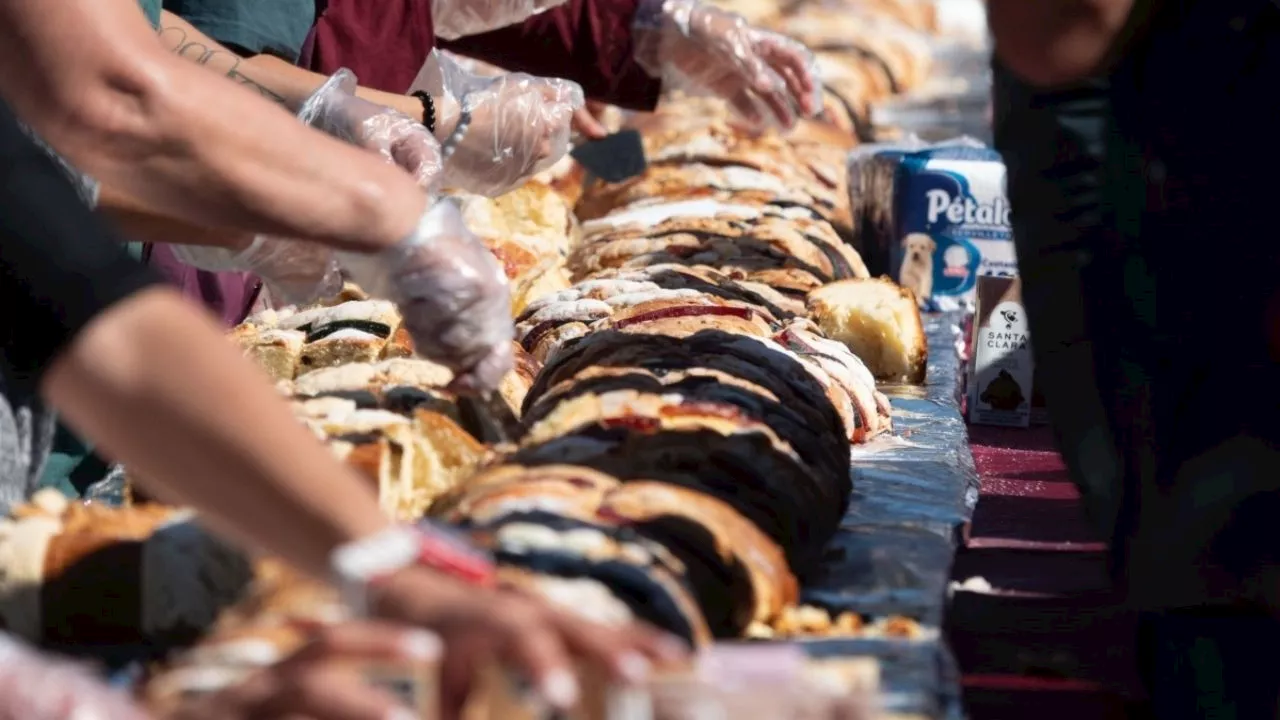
(448, 113)
(375, 567)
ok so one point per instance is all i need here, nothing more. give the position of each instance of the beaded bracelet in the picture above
(459, 130)
(428, 109)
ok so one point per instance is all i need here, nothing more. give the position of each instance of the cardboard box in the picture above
(1002, 373)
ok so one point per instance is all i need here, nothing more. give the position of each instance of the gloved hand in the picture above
(451, 292)
(768, 79)
(295, 272)
(335, 109)
(454, 19)
(497, 131)
(37, 687)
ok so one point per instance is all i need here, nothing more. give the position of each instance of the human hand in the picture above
(480, 627)
(498, 131)
(768, 79)
(587, 121)
(452, 294)
(335, 109)
(34, 686)
(319, 681)
(452, 19)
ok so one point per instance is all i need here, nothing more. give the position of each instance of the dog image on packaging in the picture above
(916, 271)
(952, 217)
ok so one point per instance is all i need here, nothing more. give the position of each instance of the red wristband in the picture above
(442, 551)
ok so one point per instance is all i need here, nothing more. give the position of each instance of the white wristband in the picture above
(358, 563)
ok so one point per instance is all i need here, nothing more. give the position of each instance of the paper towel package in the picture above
(934, 217)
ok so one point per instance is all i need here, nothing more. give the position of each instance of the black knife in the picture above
(613, 158)
(490, 415)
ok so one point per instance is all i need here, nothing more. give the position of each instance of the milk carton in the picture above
(1002, 378)
(951, 224)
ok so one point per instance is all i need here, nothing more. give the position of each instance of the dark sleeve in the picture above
(588, 41)
(59, 264)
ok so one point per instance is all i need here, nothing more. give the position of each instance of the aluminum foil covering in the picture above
(916, 678)
(892, 556)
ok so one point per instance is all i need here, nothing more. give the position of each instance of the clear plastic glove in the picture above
(459, 18)
(296, 272)
(768, 79)
(499, 131)
(36, 687)
(335, 109)
(452, 294)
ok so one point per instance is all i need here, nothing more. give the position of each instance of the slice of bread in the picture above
(879, 321)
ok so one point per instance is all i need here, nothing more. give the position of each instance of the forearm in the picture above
(1057, 42)
(156, 386)
(272, 77)
(137, 222)
(181, 140)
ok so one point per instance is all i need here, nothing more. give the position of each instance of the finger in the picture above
(628, 652)
(459, 673)
(332, 694)
(587, 124)
(747, 107)
(487, 374)
(771, 89)
(795, 64)
(535, 649)
(799, 90)
(368, 640)
(419, 155)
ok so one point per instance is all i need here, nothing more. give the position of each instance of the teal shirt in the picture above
(270, 27)
(152, 9)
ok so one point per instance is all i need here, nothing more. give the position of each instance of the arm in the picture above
(136, 222)
(587, 41)
(153, 381)
(272, 77)
(183, 141)
(1061, 41)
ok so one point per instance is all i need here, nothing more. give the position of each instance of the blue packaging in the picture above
(933, 217)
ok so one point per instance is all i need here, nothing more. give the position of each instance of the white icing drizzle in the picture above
(569, 310)
(201, 680)
(701, 145)
(353, 376)
(247, 652)
(348, 334)
(522, 537)
(644, 296)
(381, 311)
(291, 339)
(650, 215)
(588, 599)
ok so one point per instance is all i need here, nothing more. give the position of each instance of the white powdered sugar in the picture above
(648, 215)
(381, 311)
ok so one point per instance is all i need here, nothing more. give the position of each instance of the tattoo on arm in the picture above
(199, 52)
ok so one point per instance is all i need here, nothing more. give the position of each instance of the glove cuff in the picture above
(313, 111)
(375, 273)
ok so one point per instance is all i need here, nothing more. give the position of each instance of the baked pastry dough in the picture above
(879, 321)
(85, 574)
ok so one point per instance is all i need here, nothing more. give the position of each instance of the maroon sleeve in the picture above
(385, 43)
(588, 41)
